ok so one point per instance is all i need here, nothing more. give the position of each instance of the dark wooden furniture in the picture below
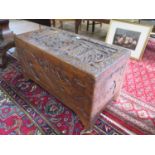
(83, 73)
(46, 22)
(96, 21)
(78, 22)
(5, 32)
(5, 45)
(6, 41)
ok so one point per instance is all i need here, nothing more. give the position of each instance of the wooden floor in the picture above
(22, 26)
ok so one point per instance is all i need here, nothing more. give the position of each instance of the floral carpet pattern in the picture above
(12, 120)
(35, 111)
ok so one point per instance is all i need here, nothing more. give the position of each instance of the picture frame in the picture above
(129, 35)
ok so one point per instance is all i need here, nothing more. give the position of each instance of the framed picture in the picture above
(129, 35)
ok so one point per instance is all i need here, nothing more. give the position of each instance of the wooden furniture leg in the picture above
(5, 45)
(5, 32)
(87, 25)
(93, 27)
(53, 22)
(6, 41)
(77, 24)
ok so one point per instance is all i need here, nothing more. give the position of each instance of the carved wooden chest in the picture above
(84, 74)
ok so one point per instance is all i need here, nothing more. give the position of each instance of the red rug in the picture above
(13, 120)
(133, 113)
(47, 112)
(136, 110)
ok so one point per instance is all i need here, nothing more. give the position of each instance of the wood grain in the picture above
(84, 74)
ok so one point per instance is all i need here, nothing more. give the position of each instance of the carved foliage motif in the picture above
(94, 55)
(56, 60)
(60, 74)
(51, 73)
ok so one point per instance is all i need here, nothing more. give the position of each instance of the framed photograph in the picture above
(129, 35)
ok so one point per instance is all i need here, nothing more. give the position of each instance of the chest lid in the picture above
(87, 54)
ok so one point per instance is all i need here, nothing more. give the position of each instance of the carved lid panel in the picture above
(87, 54)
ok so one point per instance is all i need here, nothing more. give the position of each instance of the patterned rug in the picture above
(13, 120)
(136, 110)
(26, 108)
(45, 112)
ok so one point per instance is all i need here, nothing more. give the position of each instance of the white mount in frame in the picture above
(129, 35)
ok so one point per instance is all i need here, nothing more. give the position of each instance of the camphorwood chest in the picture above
(85, 74)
